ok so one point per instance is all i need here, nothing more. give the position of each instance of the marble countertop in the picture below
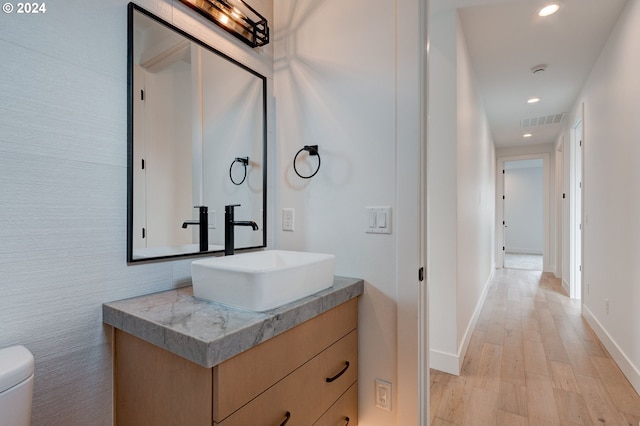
(209, 333)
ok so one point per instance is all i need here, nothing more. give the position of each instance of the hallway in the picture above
(533, 360)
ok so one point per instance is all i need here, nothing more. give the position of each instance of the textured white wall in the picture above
(63, 153)
(524, 193)
(611, 185)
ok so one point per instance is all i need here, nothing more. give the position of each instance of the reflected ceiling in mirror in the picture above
(193, 112)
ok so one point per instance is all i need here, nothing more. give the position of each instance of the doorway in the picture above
(523, 214)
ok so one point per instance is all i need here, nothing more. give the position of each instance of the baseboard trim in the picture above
(565, 286)
(444, 361)
(631, 372)
(452, 363)
(462, 349)
(520, 250)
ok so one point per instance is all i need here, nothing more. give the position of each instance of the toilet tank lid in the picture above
(16, 365)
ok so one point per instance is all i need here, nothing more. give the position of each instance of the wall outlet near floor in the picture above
(288, 219)
(383, 394)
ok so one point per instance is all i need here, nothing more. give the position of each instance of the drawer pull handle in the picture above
(348, 420)
(287, 416)
(331, 379)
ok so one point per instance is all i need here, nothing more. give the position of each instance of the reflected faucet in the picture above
(203, 222)
(230, 224)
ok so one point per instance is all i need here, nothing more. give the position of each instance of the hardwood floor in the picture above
(533, 360)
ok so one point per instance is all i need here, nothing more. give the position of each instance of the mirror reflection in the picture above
(197, 144)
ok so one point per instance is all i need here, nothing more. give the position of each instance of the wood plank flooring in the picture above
(533, 360)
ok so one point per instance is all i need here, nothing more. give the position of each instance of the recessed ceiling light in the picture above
(527, 135)
(550, 9)
(533, 100)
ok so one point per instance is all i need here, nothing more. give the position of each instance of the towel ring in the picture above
(241, 160)
(312, 150)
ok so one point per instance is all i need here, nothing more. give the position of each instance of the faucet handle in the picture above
(229, 208)
(203, 209)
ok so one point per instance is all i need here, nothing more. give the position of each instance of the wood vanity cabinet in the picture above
(304, 376)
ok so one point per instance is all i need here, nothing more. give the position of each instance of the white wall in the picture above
(476, 199)
(611, 185)
(461, 187)
(524, 191)
(340, 89)
(442, 187)
(63, 168)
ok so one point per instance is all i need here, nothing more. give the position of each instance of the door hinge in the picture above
(580, 268)
(503, 223)
(502, 248)
(580, 143)
(142, 95)
(503, 197)
(143, 164)
(144, 233)
(421, 274)
(564, 195)
(502, 171)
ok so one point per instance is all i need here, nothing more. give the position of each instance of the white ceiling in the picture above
(506, 38)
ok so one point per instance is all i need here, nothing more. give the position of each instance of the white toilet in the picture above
(16, 386)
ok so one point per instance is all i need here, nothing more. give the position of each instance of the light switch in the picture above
(371, 219)
(378, 220)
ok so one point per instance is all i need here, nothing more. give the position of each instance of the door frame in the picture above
(576, 208)
(546, 205)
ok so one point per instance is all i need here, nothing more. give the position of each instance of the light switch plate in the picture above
(378, 220)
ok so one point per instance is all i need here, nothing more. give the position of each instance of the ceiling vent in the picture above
(547, 120)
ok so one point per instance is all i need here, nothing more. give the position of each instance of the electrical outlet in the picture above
(288, 219)
(213, 219)
(383, 394)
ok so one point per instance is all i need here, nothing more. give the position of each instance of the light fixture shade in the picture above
(236, 17)
(549, 9)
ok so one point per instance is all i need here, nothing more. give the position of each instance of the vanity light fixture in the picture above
(533, 100)
(236, 17)
(549, 9)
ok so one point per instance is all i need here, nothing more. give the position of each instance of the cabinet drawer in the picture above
(344, 412)
(305, 394)
(245, 376)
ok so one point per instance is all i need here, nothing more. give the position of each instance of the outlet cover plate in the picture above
(383, 394)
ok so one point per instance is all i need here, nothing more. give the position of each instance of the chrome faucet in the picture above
(203, 222)
(230, 224)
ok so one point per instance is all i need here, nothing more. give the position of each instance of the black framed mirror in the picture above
(192, 113)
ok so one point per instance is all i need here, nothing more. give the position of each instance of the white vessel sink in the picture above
(264, 280)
